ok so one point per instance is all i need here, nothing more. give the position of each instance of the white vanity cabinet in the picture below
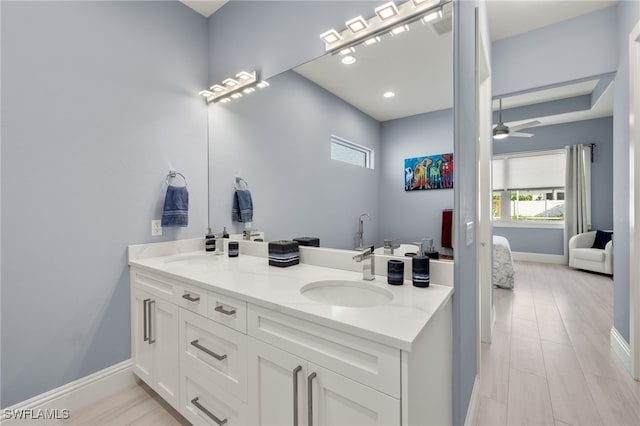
(154, 343)
(287, 389)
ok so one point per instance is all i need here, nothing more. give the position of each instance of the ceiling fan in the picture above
(502, 131)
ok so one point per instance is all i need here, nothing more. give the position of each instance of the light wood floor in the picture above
(136, 405)
(550, 362)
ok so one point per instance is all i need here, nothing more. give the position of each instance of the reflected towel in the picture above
(242, 210)
(176, 207)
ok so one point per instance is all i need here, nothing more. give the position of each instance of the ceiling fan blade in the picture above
(524, 126)
(520, 135)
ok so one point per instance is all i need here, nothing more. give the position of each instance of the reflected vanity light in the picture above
(399, 30)
(432, 16)
(388, 17)
(230, 88)
(262, 84)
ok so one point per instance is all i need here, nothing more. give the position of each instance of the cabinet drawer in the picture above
(155, 284)
(365, 361)
(217, 353)
(193, 299)
(228, 311)
(203, 405)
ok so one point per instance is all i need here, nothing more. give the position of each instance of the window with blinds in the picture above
(529, 187)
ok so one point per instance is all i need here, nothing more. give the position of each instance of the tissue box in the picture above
(308, 241)
(283, 253)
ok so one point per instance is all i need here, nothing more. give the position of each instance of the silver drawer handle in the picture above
(208, 351)
(212, 416)
(310, 397)
(295, 394)
(151, 313)
(190, 298)
(145, 319)
(222, 310)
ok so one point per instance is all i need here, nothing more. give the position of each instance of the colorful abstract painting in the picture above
(430, 172)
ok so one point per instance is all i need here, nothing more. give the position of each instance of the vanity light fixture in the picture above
(230, 88)
(357, 24)
(331, 36)
(386, 11)
(388, 17)
(347, 51)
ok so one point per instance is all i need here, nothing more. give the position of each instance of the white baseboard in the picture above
(474, 404)
(77, 394)
(559, 259)
(621, 348)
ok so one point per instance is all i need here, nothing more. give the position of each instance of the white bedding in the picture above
(503, 271)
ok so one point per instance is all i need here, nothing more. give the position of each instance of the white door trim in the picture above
(634, 199)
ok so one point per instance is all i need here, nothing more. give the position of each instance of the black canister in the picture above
(395, 272)
(234, 249)
(420, 271)
(210, 241)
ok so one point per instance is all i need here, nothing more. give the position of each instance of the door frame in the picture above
(634, 199)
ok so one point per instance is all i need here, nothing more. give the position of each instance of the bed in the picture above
(503, 271)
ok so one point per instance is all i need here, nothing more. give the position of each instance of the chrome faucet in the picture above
(361, 230)
(368, 269)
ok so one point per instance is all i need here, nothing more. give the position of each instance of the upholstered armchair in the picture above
(583, 255)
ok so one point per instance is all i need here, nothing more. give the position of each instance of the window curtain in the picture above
(577, 207)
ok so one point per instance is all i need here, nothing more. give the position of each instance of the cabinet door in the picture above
(277, 387)
(165, 346)
(141, 350)
(337, 400)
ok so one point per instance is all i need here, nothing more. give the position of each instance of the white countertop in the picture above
(396, 323)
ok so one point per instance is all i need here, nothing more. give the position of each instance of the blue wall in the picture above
(598, 131)
(410, 216)
(98, 103)
(628, 16)
(570, 50)
(278, 140)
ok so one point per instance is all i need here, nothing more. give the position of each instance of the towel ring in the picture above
(173, 174)
(239, 182)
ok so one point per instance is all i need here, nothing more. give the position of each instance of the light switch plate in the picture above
(469, 233)
(156, 228)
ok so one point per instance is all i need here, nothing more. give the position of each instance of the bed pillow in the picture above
(602, 238)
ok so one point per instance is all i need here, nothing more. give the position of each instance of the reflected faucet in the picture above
(361, 230)
(368, 269)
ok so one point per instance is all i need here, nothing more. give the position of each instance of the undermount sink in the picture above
(353, 294)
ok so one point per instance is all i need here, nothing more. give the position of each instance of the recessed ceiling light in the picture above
(432, 16)
(387, 10)
(389, 94)
(348, 60)
(330, 36)
(400, 29)
(357, 24)
(263, 84)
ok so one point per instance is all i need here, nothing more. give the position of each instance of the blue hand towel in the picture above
(176, 207)
(242, 206)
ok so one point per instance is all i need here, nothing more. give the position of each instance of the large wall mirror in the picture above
(322, 145)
